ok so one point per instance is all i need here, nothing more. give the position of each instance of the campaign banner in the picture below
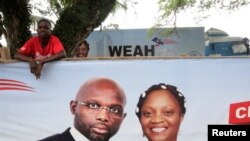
(216, 91)
(185, 41)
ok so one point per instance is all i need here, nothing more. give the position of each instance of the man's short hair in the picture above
(44, 20)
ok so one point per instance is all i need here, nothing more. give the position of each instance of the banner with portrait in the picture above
(216, 91)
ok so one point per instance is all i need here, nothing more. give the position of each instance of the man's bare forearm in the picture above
(23, 58)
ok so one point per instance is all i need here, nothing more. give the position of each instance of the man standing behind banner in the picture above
(41, 49)
(98, 111)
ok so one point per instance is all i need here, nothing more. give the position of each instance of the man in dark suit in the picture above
(65, 136)
(98, 112)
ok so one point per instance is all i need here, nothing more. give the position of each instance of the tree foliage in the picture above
(76, 22)
(169, 9)
(15, 22)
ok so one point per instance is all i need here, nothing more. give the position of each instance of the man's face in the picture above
(102, 124)
(43, 29)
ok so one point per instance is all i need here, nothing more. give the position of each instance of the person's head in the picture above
(82, 49)
(160, 110)
(43, 28)
(98, 109)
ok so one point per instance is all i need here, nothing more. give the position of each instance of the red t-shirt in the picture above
(33, 47)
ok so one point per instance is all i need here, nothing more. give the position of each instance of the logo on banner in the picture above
(9, 85)
(159, 41)
(239, 113)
